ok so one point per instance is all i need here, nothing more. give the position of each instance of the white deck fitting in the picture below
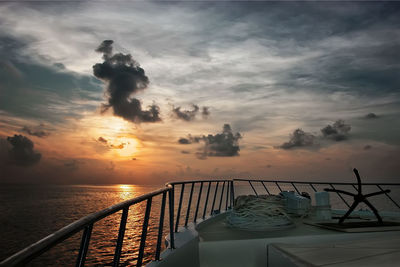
(212, 243)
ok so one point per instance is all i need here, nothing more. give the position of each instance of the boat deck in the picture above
(303, 245)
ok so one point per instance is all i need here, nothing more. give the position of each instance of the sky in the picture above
(148, 92)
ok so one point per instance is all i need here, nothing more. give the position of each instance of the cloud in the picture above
(102, 140)
(338, 131)
(35, 131)
(190, 115)
(190, 139)
(299, 138)
(371, 116)
(225, 144)
(205, 112)
(186, 115)
(22, 152)
(184, 141)
(120, 146)
(108, 144)
(124, 78)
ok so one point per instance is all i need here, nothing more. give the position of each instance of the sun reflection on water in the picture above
(126, 191)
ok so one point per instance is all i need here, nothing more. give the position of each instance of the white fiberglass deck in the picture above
(212, 243)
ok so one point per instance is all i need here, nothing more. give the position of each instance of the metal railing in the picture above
(225, 195)
(279, 184)
(219, 196)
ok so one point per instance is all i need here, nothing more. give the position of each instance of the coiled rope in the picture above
(262, 213)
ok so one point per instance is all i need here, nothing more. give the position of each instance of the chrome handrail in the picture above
(86, 223)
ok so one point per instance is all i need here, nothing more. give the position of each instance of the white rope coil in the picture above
(262, 213)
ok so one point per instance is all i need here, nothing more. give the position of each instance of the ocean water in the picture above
(31, 212)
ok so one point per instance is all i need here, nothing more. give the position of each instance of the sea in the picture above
(29, 213)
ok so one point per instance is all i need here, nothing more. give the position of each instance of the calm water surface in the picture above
(31, 212)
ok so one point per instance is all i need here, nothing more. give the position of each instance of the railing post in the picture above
(298, 192)
(189, 204)
(313, 188)
(215, 196)
(345, 202)
(222, 195)
(84, 245)
(280, 189)
(205, 204)
(160, 226)
(232, 194)
(171, 217)
(121, 234)
(253, 188)
(179, 207)
(144, 232)
(266, 189)
(198, 202)
(227, 195)
(394, 202)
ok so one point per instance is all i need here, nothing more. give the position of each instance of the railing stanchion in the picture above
(205, 204)
(298, 192)
(144, 232)
(198, 202)
(160, 227)
(121, 233)
(171, 206)
(266, 189)
(253, 188)
(313, 188)
(189, 204)
(345, 202)
(233, 194)
(280, 189)
(215, 196)
(394, 202)
(222, 195)
(84, 245)
(227, 195)
(179, 208)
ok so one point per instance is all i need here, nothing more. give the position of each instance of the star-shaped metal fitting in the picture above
(358, 198)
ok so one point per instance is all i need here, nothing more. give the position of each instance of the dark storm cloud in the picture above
(225, 144)
(371, 116)
(22, 152)
(35, 131)
(338, 131)
(124, 78)
(299, 138)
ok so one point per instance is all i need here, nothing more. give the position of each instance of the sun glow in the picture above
(128, 147)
